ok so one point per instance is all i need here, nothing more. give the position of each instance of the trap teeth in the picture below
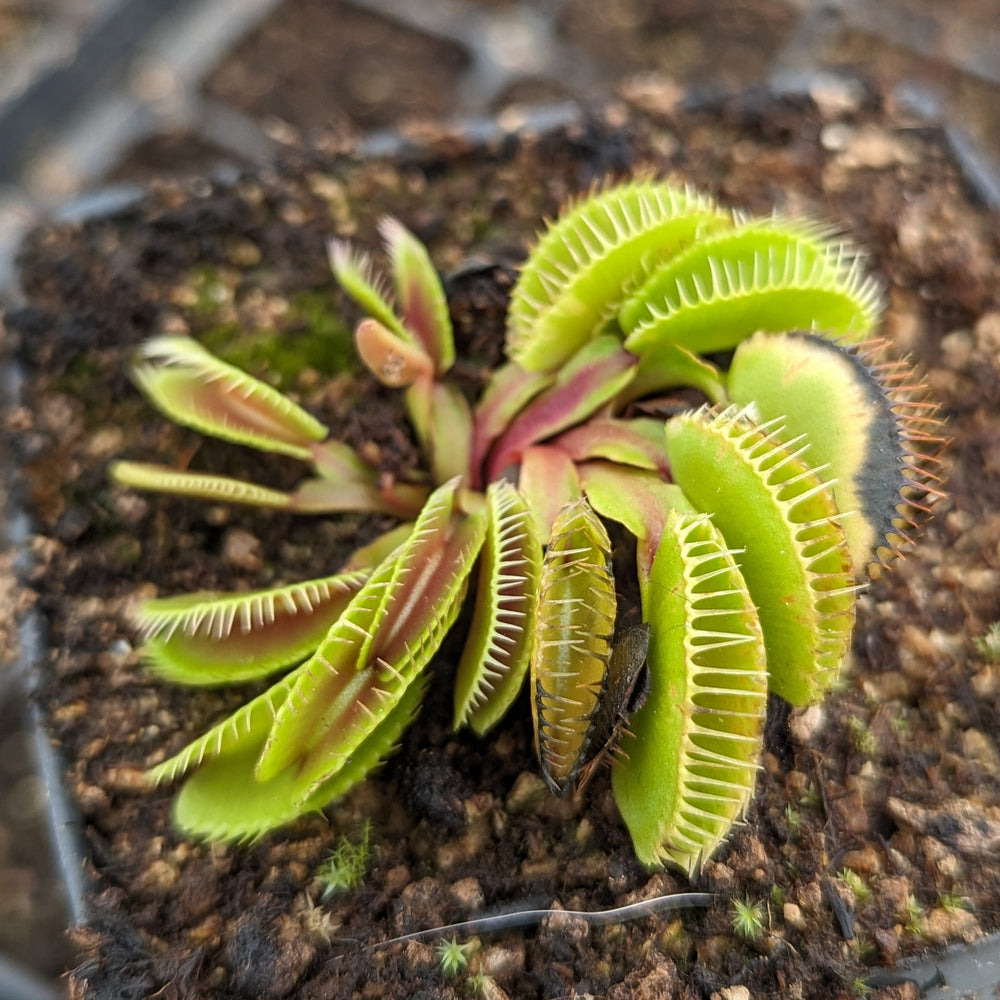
(867, 422)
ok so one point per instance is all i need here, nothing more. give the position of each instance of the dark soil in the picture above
(896, 776)
(374, 71)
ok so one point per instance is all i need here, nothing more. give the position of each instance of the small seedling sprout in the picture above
(952, 902)
(861, 988)
(988, 644)
(855, 883)
(346, 865)
(748, 919)
(793, 818)
(481, 985)
(913, 914)
(862, 739)
(453, 957)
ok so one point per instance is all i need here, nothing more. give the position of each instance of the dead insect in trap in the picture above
(626, 690)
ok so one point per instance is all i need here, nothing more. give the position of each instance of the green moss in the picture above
(913, 915)
(313, 315)
(210, 292)
(855, 883)
(988, 644)
(861, 737)
(126, 552)
(748, 919)
(312, 335)
(346, 865)
(452, 956)
(793, 818)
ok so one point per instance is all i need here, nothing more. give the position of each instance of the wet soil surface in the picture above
(895, 778)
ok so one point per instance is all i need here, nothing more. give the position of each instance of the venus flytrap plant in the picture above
(755, 519)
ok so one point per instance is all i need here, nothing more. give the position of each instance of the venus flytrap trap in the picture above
(755, 518)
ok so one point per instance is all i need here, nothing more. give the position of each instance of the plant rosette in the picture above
(755, 518)
(631, 534)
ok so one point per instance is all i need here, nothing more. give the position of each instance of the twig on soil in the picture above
(525, 918)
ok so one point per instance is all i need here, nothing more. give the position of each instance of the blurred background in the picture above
(101, 97)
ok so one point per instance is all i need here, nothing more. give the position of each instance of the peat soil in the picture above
(895, 778)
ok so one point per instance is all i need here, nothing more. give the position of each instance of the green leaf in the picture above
(765, 499)
(636, 498)
(548, 481)
(246, 727)
(196, 389)
(432, 569)
(594, 376)
(667, 366)
(574, 627)
(442, 418)
(312, 496)
(872, 440)
(637, 442)
(495, 658)
(421, 297)
(392, 360)
(223, 800)
(581, 269)
(374, 749)
(689, 771)
(369, 556)
(383, 640)
(508, 391)
(204, 485)
(347, 482)
(356, 276)
(325, 496)
(211, 638)
(771, 274)
(338, 461)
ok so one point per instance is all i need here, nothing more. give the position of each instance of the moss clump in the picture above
(346, 865)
